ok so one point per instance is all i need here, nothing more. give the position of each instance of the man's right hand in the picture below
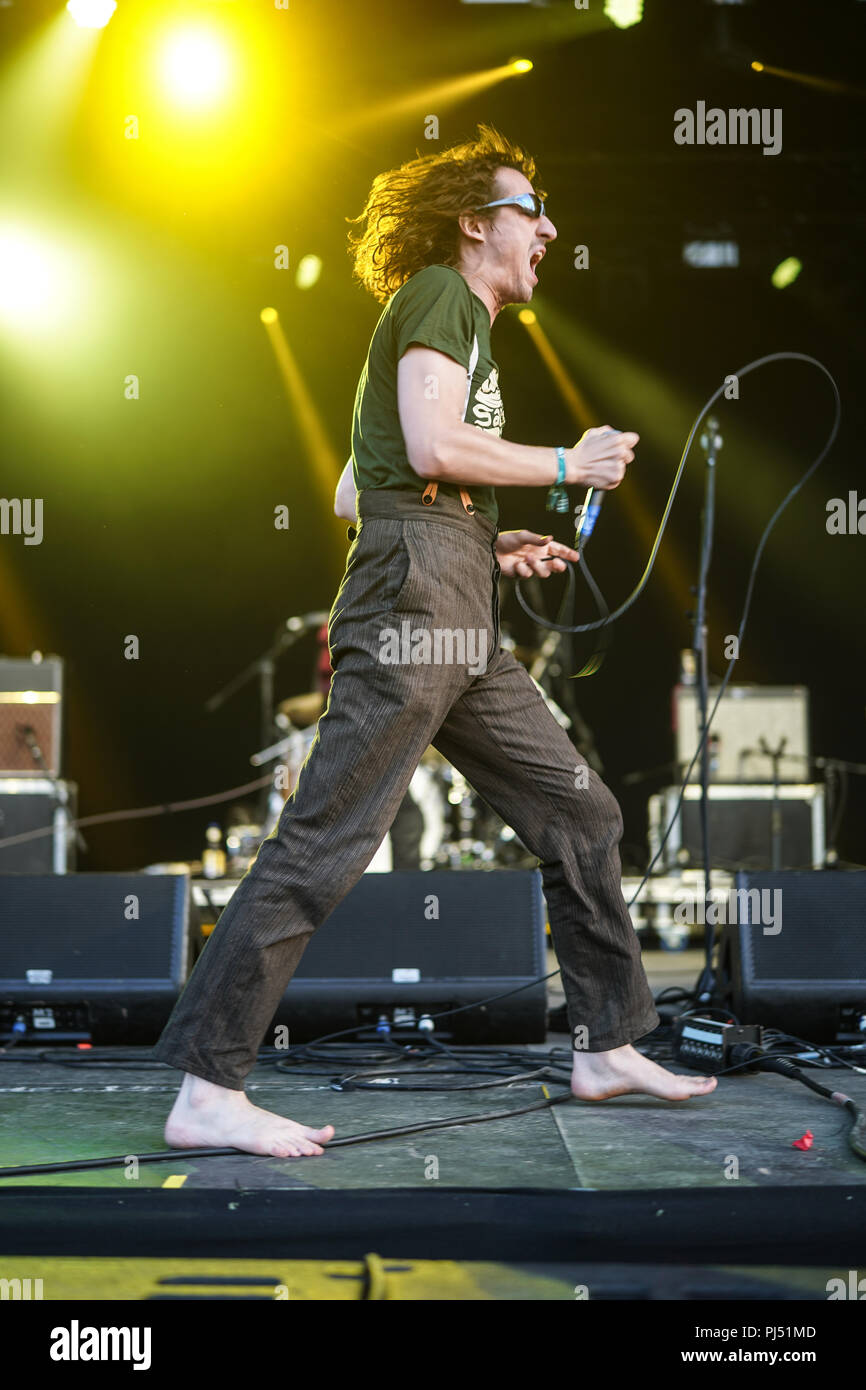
(600, 458)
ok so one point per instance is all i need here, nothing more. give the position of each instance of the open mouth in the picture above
(534, 260)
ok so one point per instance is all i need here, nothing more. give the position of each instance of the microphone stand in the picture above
(775, 755)
(60, 791)
(711, 442)
(832, 769)
(263, 668)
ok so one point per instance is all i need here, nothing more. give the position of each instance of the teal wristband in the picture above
(557, 497)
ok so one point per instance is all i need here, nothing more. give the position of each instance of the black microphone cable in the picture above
(732, 661)
(642, 582)
(749, 1054)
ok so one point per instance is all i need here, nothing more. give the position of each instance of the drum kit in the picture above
(460, 831)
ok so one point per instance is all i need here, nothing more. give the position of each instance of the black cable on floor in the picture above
(163, 1155)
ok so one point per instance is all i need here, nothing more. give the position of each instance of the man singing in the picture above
(445, 242)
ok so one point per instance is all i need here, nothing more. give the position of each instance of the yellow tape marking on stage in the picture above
(64, 1277)
(176, 1180)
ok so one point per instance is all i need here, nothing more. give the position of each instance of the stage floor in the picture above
(634, 1147)
(51, 1113)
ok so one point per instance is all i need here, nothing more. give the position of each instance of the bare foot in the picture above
(599, 1075)
(206, 1116)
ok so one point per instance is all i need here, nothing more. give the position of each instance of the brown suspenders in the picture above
(429, 497)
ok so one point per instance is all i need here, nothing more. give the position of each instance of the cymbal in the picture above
(302, 710)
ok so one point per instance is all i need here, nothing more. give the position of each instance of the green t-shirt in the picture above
(436, 309)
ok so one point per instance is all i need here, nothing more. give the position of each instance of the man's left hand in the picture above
(523, 553)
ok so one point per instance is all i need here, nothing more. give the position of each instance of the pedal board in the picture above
(705, 1043)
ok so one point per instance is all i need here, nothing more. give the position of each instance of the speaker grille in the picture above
(823, 936)
(488, 924)
(76, 926)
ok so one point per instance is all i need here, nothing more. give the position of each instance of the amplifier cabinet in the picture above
(407, 943)
(31, 695)
(740, 826)
(30, 804)
(793, 952)
(747, 714)
(92, 956)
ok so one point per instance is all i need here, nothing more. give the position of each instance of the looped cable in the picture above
(641, 585)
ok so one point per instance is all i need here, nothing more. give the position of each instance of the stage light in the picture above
(91, 14)
(711, 254)
(318, 459)
(564, 383)
(308, 271)
(821, 84)
(195, 67)
(32, 283)
(432, 98)
(624, 13)
(786, 272)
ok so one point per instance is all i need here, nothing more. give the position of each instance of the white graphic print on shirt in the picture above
(487, 411)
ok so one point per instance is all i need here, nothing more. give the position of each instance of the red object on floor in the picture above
(805, 1142)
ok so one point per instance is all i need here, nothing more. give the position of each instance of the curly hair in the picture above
(410, 217)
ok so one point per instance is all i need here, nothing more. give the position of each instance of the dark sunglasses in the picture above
(530, 203)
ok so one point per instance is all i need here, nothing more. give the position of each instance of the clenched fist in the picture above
(600, 458)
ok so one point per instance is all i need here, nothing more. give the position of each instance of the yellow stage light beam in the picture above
(806, 79)
(519, 28)
(320, 457)
(42, 87)
(195, 66)
(30, 277)
(576, 402)
(424, 100)
(41, 282)
(91, 14)
(188, 110)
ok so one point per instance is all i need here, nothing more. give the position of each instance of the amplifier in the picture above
(29, 804)
(741, 826)
(31, 691)
(794, 953)
(748, 715)
(404, 944)
(92, 957)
